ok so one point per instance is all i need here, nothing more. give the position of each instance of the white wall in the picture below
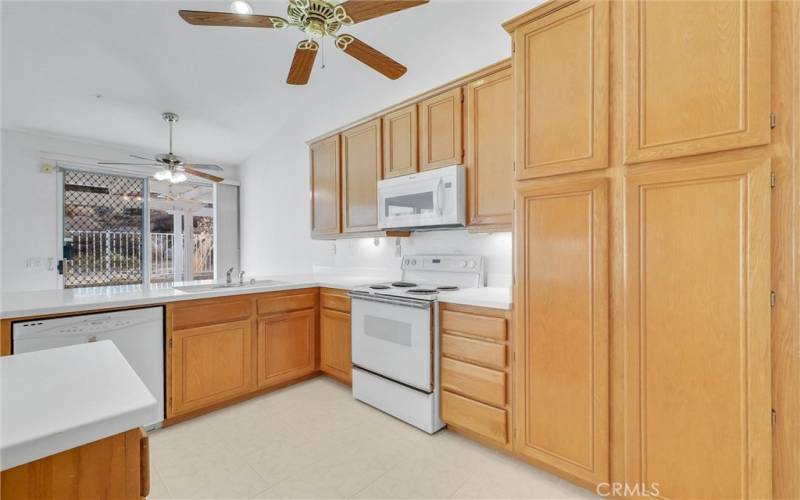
(29, 204)
(275, 180)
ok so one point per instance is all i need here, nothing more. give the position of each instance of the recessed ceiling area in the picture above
(105, 71)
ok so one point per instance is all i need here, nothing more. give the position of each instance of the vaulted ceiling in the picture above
(106, 70)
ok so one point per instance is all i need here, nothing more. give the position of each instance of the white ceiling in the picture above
(228, 84)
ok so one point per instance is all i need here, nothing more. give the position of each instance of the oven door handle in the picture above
(398, 301)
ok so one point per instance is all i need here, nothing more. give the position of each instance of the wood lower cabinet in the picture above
(286, 346)
(400, 149)
(334, 335)
(213, 361)
(361, 171)
(474, 373)
(325, 188)
(116, 467)
(718, 100)
(490, 150)
(208, 365)
(441, 141)
(562, 312)
(561, 69)
(697, 338)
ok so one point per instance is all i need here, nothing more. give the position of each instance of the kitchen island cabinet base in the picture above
(116, 467)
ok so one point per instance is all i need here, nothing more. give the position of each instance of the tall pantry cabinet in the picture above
(642, 245)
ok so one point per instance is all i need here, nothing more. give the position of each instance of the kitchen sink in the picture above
(221, 286)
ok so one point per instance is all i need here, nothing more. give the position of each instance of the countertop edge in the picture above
(44, 446)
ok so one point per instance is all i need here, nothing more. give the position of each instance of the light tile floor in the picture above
(313, 440)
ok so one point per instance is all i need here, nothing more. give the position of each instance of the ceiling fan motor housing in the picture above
(317, 18)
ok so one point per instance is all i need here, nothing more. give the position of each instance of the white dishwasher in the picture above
(137, 333)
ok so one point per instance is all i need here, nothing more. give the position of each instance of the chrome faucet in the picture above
(228, 276)
(241, 277)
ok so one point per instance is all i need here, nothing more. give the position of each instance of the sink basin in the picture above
(221, 286)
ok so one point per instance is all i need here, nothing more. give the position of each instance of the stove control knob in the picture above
(462, 263)
(414, 262)
(406, 262)
(472, 264)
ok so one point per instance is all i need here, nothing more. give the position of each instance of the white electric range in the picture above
(395, 336)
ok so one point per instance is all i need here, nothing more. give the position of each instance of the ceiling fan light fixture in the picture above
(178, 177)
(163, 175)
(241, 7)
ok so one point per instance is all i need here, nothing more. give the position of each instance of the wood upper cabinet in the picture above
(208, 365)
(561, 67)
(562, 312)
(490, 149)
(440, 130)
(325, 187)
(400, 150)
(286, 346)
(361, 171)
(697, 341)
(697, 77)
(334, 338)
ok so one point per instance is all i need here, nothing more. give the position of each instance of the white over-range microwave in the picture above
(435, 198)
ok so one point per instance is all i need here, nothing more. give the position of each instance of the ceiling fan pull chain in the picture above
(322, 45)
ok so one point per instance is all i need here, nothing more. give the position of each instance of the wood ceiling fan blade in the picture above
(203, 166)
(370, 56)
(202, 18)
(364, 10)
(197, 173)
(302, 63)
(140, 157)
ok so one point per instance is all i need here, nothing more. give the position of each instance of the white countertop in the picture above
(44, 302)
(57, 399)
(490, 296)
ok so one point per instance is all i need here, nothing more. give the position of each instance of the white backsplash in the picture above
(364, 255)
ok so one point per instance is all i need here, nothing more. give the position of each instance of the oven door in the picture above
(393, 337)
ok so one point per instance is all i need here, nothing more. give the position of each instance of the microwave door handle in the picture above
(440, 197)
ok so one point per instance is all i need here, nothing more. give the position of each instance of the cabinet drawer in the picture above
(204, 312)
(483, 384)
(474, 351)
(286, 303)
(335, 302)
(474, 416)
(472, 324)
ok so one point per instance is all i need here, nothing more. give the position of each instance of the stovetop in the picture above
(426, 277)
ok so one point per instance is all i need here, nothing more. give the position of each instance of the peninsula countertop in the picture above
(49, 302)
(57, 399)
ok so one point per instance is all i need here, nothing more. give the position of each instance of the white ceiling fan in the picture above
(174, 168)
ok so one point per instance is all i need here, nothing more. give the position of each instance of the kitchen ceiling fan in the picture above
(174, 168)
(317, 19)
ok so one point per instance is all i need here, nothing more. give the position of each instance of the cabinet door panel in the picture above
(285, 346)
(696, 77)
(334, 332)
(400, 151)
(697, 361)
(361, 171)
(210, 364)
(490, 149)
(561, 304)
(561, 68)
(440, 130)
(325, 192)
